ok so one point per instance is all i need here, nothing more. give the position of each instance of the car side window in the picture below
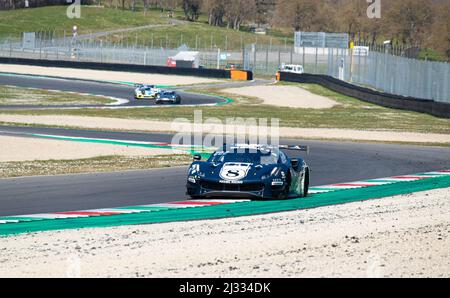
(283, 158)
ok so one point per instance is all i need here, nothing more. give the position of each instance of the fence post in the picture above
(244, 62)
(359, 67)
(145, 56)
(331, 62)
(218, 58)
(315, 65)
(101, 51)
(279, 57)
(292, 49)
(254, 59)
(303, 58)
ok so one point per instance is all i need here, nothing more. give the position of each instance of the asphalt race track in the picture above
(96, 88)
(331, 162)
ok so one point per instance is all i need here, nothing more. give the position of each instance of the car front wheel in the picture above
(305, 183)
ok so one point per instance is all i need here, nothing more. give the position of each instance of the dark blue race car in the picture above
(166, 96)
(255, 171)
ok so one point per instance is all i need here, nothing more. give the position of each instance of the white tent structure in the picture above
(187, 59)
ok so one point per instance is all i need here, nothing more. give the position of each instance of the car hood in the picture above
(234, 171)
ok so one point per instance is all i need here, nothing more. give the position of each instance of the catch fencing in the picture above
(372, 69)
(381, 71)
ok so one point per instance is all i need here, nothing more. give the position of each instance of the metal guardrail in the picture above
(381, 71)
(421, 105)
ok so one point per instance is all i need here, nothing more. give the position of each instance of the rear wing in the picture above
(295, 147)
(145, 85)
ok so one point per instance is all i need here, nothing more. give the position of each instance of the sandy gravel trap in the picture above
(401, 236)
(285, 96)
(27, 149)
(161, 126)
(103, 75)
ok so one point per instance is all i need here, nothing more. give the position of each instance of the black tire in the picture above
(306, 186)
(285, 194)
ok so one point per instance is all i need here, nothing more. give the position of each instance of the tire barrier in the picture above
(431, 107)
(199, 72)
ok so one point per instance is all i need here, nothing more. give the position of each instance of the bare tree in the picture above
(215, 9)
(411, 20)
(238, 12)
(191, 9)
(298, 14)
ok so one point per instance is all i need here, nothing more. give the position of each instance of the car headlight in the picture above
(192, 179)
(194, 169)
(275, 173)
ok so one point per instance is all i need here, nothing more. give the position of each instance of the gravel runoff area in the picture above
(161, 126)
(103, 75)
(402, 236)
(27, 149)
(285, 96)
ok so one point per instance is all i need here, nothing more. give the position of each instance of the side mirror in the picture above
(197, 157)
(294, 163)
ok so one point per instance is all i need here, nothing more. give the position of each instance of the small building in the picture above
(184, 59)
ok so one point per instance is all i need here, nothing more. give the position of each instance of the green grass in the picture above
(27, 96)
(195, 35)
(350, 114)
(432, 55)
(96, 164)
(93, 19)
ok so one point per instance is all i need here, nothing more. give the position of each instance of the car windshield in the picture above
(254, 156)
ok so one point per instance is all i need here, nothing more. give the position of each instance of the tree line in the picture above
(417, 23)
(413, 23)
